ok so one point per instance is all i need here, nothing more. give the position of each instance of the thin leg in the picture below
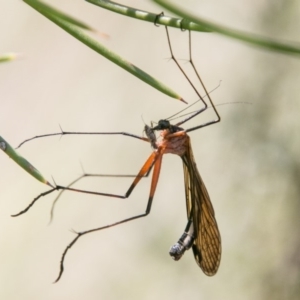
(198, 94)
(144, 170)
(156, 171)
(208, 96)
(183, 72)
(86, 175)
(83, 133)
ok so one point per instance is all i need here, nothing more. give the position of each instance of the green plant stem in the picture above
(147, 16)
(236, 34)
(7, 57)
(21, 161)
(96, 46)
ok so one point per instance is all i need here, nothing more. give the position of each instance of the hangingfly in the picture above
(201, 232)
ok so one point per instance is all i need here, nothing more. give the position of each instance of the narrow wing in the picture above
(207, 243)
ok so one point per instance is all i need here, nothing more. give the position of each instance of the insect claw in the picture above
(157, 18)
(181, 25)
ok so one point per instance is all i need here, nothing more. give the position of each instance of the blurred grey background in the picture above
(249, 162)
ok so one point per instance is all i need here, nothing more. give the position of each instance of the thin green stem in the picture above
(5, 57)
(147, 16)
(80, 35)
(236, 34)
(21, 161)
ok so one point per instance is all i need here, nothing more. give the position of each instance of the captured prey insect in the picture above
(201, 232)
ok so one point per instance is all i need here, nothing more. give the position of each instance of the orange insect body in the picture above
(175, 143)
(201, 232)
